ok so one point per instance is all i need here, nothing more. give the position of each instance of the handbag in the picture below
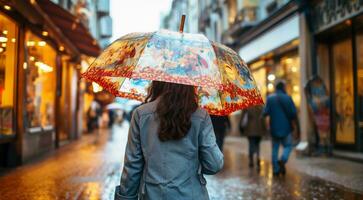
(294, 122)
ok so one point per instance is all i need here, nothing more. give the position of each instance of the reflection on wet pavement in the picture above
(238, 181)
(90, 169)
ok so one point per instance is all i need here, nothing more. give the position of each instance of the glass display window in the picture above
(8, 57)
(359, 74)
(259, 73)
(344, 91)
(286, 68)
(41, 82)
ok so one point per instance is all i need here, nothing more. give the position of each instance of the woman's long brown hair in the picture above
(176, 105)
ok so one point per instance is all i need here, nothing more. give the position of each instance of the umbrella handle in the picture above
(181, 27)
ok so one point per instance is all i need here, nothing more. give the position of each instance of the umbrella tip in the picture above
(182, 20)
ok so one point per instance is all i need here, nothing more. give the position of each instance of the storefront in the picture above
(339, 61)
(273, 58)
(39, 73)
(9, 31)
(279, 65)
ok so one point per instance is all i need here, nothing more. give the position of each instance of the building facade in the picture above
(171, 20)
(297, 40)
(337, 28)
(41, 58)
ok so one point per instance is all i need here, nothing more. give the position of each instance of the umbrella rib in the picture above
(220, 74)
(141, 52)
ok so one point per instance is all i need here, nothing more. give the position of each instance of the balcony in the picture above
(105, 27)
(103, 6)
(245, 19)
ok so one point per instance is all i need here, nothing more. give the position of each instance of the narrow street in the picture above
(90, 169)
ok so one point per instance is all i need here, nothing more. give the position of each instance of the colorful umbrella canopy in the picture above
(127, 67)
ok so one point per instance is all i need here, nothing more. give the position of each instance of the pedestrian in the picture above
(281, 116)
(220, 126)
(171, 145)
(254, 130)
(93, 114)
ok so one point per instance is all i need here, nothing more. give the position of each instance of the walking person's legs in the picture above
(219, 139)
(287, 144)
(275, 155)
(250, 150)
(258, 141)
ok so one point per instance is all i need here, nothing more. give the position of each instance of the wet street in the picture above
(90, 169)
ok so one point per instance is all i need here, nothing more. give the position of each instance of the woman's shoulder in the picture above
(146, 108)
(200, 113)
(150, 108)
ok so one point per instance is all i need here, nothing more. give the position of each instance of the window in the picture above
(359, 74)
(286, 68)
(344, 91)
(8, 57)
(41, 82)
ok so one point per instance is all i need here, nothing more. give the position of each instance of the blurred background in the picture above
(46, 44)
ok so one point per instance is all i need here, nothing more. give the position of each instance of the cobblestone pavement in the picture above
(90, 169)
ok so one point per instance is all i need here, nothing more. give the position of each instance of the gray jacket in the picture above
(170, 170)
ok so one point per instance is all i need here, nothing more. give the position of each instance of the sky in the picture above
(137, 15)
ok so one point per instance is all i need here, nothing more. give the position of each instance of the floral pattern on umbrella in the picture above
(127, 67)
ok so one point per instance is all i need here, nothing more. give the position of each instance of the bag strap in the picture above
(283, 108)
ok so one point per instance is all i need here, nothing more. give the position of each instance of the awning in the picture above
(70, 27)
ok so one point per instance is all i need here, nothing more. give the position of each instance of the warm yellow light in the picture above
(31, 58)
(271, 77)
(84, 66)
(295, 88)
(289, 60)
(270, 87)
(1, 49)
(5, 32)
(44, 67)
(61, 48)
(257, 64)
(42, 43)
(30, 43)
(295, 42)
(74, 26)
(13, 40)
(96, 87)
(45, 33)
(7, 7)
(3, 39)
(25, 65)
(294, 69)
(3, 44)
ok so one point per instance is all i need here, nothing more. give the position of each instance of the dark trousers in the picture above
(220, 134)
(254, 146)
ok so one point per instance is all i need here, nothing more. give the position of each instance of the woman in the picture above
(171, 144)
(254, 130)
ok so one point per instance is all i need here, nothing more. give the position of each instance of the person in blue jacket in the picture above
(171, 145)
(280, 112)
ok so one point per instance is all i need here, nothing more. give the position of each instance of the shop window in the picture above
(359, 44)
(259, 73)
(344, 91)
(41, 82)
(8, 57)
(291, 68)
(285, 69)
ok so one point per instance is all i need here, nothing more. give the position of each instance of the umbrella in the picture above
(114, 106)
(127, 67)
